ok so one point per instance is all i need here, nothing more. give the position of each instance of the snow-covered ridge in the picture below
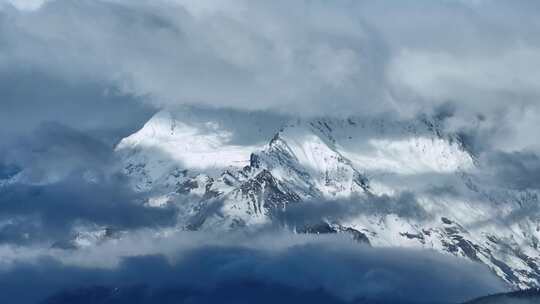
(206, 145)
(230, 170)
(202, 147)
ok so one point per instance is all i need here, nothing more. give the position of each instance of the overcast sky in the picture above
(92, 58)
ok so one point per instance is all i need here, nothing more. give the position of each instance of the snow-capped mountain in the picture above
(386, 181)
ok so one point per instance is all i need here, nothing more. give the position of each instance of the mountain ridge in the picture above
(389, 182)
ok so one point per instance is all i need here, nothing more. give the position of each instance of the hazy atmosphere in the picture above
(301, 151)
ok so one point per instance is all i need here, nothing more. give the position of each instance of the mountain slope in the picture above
(387, 182)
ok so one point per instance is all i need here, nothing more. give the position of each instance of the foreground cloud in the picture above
(205, 267)
(64, 178)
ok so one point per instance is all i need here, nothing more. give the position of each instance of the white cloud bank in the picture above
(23, 4)
(309, 57)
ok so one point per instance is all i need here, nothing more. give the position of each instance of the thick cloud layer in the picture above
(67, 178)
(311, 213)
(32, 96)
(302, 58)
(333, 56)
(204, 268)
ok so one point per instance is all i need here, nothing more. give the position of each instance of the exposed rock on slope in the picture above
(385, 181)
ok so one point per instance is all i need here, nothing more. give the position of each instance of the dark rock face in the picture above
(64, 244)
(264, 191)
(325, 228)
(321, 228)
(187, 186)
(357, 235)
(418, 236)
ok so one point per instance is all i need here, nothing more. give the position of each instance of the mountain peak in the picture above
(357, 174)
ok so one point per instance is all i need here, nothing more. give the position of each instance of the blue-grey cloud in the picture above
(67, 177)
(315, 212)
(32, 96)
(336, 270)
(260, 55)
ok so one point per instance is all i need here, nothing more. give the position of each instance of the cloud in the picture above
(301, 58)
(333, 56)
(46, 214)
(204, 268)
(33, 96)
(309, 213)
(67, 178)
(518, 170)
(55, 151)
(23, 4)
